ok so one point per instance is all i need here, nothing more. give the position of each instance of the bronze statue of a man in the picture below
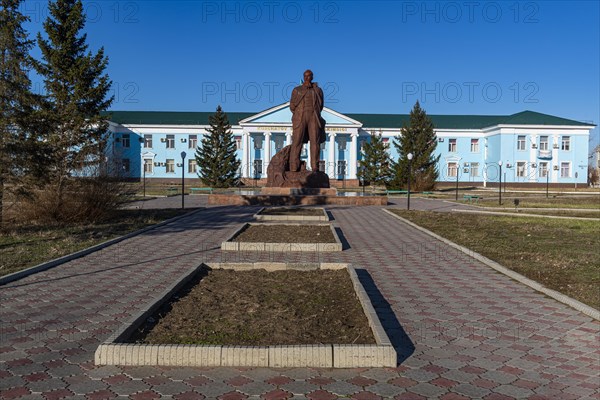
(308, 125)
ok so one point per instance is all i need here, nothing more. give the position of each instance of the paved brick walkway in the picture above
(461, 329)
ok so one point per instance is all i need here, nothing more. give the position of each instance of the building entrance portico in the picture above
(264, 134)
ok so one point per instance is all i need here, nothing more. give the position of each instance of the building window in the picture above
(148, 141)
(520, 169)
(278, 143)
(125, 165)
(148, 166)
(565, 170)
(126, 141)
(192, 166)
(238, 142)
(322, 165)
(566, 143)
(341, 167)
(170, 141)
(474, 169)
(258, 143)
(193, 141)
(304, 151)
(342, 144)
(520, 142)
(543, 169)
(452, 169)
(452, 145)
(170, 165)
(258, 167)
(474, 145)
(543, 142)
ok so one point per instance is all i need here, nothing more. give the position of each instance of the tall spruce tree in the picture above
(419, 139)
(76, 93)
(375, 164)
(17, 102)
(217, 163)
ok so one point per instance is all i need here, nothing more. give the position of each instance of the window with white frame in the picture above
(258, 167)
(126, 140)
(565, 169)
(322, 165)
(566, 143)
(279, 140)
(148, 166)
(543, 169)
(474, 169)
(148, 141)
(521, 142)
(192, 166)
(238, 142)
(543, 142)
(193, 141)
(170, 142)
(521, 169)
(341, 167)
(452, 145)
(170, 165)
(452, 169)
(474, 145)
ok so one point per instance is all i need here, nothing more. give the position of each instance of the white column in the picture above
(353, 155)
(331, 155)
(267, 159)
(288, 137)
(244, 155)
(247, 153)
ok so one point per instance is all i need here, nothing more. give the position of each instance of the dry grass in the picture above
(26, 245)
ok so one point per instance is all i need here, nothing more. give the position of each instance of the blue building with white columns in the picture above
(533, 148)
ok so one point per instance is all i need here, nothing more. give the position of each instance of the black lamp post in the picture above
(410, 157)
(500, 183)
(183, 154)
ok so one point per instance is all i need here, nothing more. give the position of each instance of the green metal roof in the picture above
(368, 120)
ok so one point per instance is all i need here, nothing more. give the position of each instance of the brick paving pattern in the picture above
(461, 330)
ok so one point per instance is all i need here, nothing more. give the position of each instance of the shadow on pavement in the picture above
(400, 339)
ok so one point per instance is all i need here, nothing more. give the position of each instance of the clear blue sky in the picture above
(481, 57)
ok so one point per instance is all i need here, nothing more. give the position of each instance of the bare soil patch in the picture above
(308, 212)
(276, 233)
(260, 308)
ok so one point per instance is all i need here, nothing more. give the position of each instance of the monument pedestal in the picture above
(285, 191)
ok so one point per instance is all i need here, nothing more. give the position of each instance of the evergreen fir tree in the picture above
(217, 163)
(76, 93)
(17, 103)
(419, 139)
(374, 168)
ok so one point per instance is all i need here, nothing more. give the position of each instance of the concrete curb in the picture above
(510, 214)
(230, 245)
(266, 217)
(381, 354)
(81, 253)
(577, 305)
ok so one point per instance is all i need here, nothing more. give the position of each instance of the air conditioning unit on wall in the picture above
(163, 140)
(440, 139)
(555, 168)
(183, 140)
